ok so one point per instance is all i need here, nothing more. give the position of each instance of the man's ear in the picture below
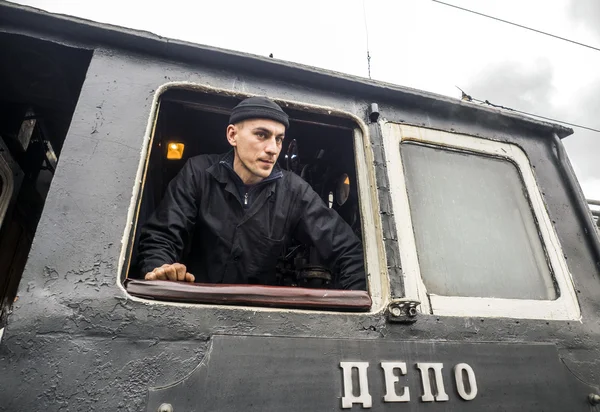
(232, 134)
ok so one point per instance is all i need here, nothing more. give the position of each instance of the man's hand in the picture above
(176, 271)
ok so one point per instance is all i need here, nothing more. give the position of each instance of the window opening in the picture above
(317, 148)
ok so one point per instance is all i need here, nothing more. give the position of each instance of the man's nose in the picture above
(272, 147)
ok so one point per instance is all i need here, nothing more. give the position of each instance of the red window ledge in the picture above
(251, 295)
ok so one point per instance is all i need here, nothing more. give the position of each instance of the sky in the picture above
(415, 43)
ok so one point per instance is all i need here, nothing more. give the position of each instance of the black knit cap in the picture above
(258, 108)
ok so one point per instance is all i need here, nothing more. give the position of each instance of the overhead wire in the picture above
(469, 98)
(518, 25)
(466, 96)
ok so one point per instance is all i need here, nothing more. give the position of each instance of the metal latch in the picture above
(402, 310)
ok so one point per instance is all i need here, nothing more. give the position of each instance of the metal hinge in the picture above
(402, 310)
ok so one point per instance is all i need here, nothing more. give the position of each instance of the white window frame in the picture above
(565, 307)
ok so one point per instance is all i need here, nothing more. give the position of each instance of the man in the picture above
(230, 216)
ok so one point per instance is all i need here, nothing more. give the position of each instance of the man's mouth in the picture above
(266, 161)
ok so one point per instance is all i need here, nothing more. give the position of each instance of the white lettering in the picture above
(363, 397)
(460, 384)
(391, 379)
(441, 395)
(356, 384)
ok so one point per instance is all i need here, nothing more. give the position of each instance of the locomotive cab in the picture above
(482, 256)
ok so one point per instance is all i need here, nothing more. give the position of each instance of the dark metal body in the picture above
(76, 341)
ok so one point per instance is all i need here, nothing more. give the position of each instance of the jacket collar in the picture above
(223, 171)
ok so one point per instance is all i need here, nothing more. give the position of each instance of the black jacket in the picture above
(201, 222)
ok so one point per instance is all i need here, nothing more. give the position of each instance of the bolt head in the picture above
(165, 407)
(396, 311)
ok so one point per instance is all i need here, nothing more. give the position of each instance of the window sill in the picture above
(250, 295)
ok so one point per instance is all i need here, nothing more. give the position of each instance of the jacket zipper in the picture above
(246, 199)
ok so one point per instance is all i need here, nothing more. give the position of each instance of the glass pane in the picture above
(474, 228)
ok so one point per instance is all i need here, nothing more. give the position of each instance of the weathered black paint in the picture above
(390, 235)
(77, 342)
(258, 374)
(570, 179)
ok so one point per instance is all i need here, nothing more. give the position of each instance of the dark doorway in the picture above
(40, 82)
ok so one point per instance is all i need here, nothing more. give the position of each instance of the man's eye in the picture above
(279, 140)
(261, 135)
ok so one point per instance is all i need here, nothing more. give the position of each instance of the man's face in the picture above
(257, 145)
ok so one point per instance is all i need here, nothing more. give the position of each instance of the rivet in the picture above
(594, 399)
(165, 407)
(396, 311)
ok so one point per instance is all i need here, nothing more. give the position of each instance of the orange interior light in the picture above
(175, 151)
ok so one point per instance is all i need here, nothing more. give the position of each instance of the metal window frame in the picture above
(565, 307)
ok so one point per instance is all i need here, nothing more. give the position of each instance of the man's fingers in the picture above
(163, 273)
(171, 272)
(160, 273)
(180, 271)
(157, 274)
(176, 271)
